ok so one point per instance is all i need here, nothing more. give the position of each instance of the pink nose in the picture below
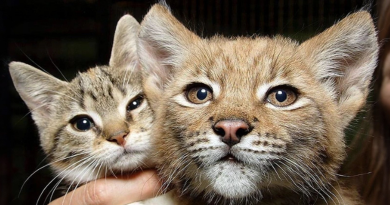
(119, 138)
(231, 131)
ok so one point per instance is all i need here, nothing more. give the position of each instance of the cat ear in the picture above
(162, 42)
(124, 49)
(343, 59)
(37, 89)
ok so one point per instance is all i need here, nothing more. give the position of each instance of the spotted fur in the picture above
(287, 153)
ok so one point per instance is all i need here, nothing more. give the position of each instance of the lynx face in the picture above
(99, 123)
(254, 119)
(242, 127)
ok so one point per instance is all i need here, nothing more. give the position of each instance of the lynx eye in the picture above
(135, 103)
(199, 94)
(82, 123)
(282, 96)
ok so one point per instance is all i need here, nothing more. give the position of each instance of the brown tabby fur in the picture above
(102, 94)
(291, 154)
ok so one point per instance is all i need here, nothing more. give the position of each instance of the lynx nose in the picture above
(118, 137)
(231, 131)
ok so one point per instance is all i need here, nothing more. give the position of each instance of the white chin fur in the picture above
(78, 175)
(130, 162)
(232, 180)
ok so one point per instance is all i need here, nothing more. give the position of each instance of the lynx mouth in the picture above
(230, 158)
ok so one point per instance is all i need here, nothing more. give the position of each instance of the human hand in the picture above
(124, 190)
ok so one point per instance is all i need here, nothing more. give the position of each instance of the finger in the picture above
(133, 188)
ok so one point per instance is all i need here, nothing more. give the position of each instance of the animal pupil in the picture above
(281, 95)
(83, 124)
(202, 94)
(134, 104)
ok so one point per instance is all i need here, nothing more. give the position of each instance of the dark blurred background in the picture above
(77, 34)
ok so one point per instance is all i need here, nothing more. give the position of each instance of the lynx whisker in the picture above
(322, 186)
(287, 176)
(327, 187)
(300, 171)
(275, 171)
(337, 195)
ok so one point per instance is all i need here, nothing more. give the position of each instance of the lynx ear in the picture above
(37, 89)
(344, 58)
(124, 49)
(163, 42)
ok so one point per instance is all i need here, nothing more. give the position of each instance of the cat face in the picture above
(240, 118)
(99, 123)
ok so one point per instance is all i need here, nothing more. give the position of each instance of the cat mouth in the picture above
(130, 152)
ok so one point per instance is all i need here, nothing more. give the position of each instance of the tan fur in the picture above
(102, 94)
(292, 153)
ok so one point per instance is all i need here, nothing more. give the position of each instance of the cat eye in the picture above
(199, 93)
(135, 103)
(282, 96)
(82, 123)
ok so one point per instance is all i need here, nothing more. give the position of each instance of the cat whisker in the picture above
(93, 163)
(112, 172)
(51, 60)
(61, 94)
(52, 191)
(85, 170)
(25, 181)
(32, 110)
(129, 78)
(36, 64)
(126, 79)
(97, 174)
(77, 94)
(78, 163)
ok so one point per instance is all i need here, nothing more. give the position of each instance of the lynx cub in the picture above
(99, 123)
(255, 120)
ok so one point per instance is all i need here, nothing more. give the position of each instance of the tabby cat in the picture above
(99, 123)
(255, 120)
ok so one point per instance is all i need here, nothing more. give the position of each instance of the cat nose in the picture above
(231, 131)
(118, 137)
